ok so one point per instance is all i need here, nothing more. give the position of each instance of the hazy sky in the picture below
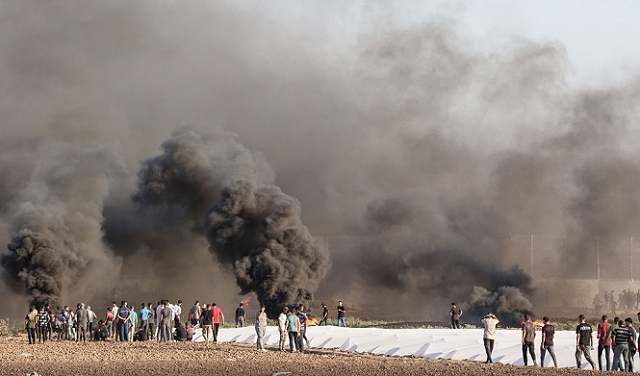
(415, 134)
(599, 36)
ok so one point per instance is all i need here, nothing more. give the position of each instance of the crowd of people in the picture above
(164, 323)
(623, 301)
(619, 338)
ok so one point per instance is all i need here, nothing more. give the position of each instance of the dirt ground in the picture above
(150, 358)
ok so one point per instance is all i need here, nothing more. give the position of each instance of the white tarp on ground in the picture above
(458, 344)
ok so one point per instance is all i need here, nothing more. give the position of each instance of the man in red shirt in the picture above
(604, 343)
(218, 318)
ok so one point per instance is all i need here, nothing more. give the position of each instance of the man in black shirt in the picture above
(325, 315)
(240, 316)
(548, 331)
(206, 322)
(584, 342)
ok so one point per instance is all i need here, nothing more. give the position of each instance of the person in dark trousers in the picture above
(325, 315)
(604, 343)
(240, 316)
(455, 314)
(489, 323)
(528, 337)
(632, 349)
(584, 342)
(546, 345)
(30, 323)
(44, 320)
(623, 339)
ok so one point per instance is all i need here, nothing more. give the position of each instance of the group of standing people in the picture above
(41, 324)
(123, 323)
(623, 301)
(621, 336)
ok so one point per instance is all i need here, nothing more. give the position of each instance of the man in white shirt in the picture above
(282, 327)
(177, 310)
(489, 322)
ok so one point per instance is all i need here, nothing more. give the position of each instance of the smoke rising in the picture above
(56, 249)
(258, 229)
(421, 158)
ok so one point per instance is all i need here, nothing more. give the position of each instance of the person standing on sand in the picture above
(152, 322)
(341, 314)
(206, 322)
(293, 328)
(177, 313)
(604, 343)
(632, 349)
(218, 319)
(528, 338)
(325, 315)
(455, 314)
(261, 328)
(240, 316)
(282, 327)
(43, 324)
(92, 319)
(133, 322)
(303, 326)
(164, 322)
(82, 320)
(548, 332)
(489, 323)
(114, 312)
(30, 322)
(622, 337)
(144, 314)
(584, 342)
(124, 317)
(194, 313)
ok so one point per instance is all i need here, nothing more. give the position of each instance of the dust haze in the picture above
(403, 161)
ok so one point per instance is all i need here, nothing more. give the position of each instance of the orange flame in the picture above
(312, 322)
(246, 300)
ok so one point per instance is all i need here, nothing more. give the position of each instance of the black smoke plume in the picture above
(258, 230)
(36, 262)
(507, 302)
(56, 249)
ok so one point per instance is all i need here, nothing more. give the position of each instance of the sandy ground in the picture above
(148, 358)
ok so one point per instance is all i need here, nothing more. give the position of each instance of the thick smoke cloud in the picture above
(258, 229)
(405, 144)
(56, 249)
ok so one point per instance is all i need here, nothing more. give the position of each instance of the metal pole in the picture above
(564, 265)
(598, 256)
(531, 255)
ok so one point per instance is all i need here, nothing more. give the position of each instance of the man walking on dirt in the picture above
(584, 342)
(218, 318)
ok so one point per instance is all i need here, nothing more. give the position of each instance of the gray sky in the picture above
(599, 36)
